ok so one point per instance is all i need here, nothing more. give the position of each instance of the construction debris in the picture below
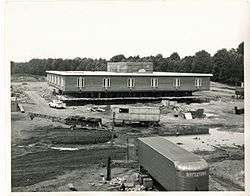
(18, 91)
(71, 187)
(188, 116)
(148, 183)
(83, 121)
(199, 113)
(134, 182)
(21, 108)
(239, 111)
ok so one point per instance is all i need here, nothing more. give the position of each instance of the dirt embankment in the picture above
(60, 135)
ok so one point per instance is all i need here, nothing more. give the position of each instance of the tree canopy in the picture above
(227, 66)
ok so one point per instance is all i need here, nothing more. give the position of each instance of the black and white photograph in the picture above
(126, 96)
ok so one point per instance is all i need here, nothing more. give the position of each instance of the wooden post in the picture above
(109, 169)
(113, 127)
(127, 151)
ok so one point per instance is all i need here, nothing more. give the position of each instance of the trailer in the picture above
(127, 114)
(169, 165)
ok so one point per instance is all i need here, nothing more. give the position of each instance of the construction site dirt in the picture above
(40, 163)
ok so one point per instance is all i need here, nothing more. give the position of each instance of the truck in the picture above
(172, 167)
(128, 114)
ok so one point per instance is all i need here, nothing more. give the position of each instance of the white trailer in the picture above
(136, 114)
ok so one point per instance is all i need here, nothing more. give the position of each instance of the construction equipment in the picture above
(72, 120)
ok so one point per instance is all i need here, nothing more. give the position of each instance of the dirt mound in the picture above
(79, 136)
(59, 135)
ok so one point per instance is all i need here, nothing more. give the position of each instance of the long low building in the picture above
(99, 84)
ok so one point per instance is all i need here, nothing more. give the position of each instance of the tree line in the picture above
(227, 66)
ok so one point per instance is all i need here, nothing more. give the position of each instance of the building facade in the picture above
(127, 84)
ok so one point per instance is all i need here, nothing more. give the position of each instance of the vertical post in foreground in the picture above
(109, 169)
(113, 127)
(127, 150)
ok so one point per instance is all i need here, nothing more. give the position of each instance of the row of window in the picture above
(131, 82)
(58, 80)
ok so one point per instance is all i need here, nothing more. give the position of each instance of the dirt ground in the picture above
(40, 165)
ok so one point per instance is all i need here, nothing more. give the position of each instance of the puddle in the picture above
(64, 149)
(210, 115)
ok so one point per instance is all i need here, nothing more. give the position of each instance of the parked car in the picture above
(57, 104)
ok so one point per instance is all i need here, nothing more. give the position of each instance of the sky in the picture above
(102, 29)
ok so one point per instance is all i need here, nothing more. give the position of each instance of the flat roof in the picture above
(130, 63)
(106, 73)
(182, 158)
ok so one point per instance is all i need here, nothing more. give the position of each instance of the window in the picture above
(123, 110)
(80, 82)
(177, 82)
(131, 82)
(62, 82)
(198, 82)
(154, 82)
(106, 82)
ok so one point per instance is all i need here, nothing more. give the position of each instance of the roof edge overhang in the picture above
(106, 73)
